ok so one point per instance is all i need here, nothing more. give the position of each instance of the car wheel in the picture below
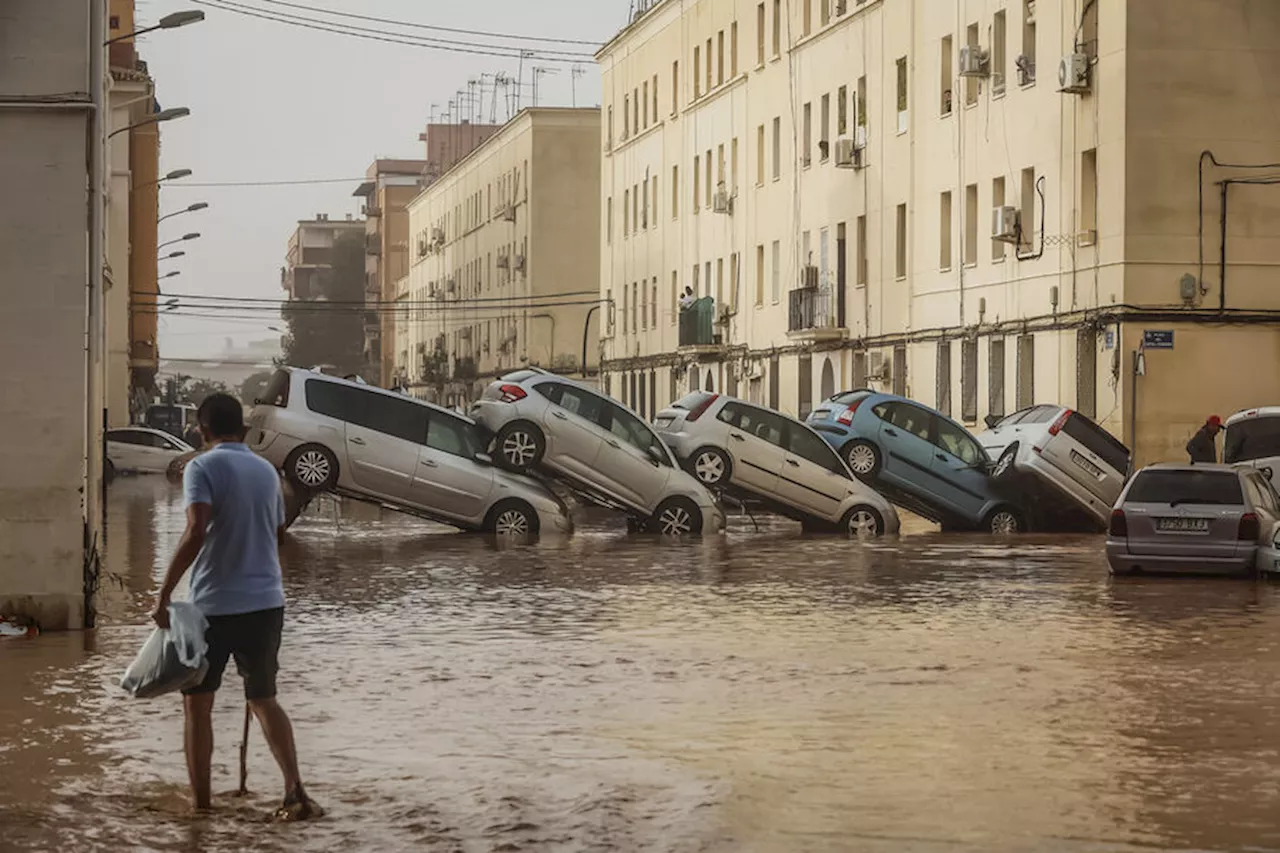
(512, 518)
(677, 516)
(711, 466)
(1004, 465)
(1004, 521)
(863, 522)
(520, 446)
(863, 458)
(312, 468)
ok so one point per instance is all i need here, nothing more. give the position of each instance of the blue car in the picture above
(918, 458)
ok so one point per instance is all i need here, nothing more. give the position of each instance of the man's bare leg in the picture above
(279, 734)
(198, 738)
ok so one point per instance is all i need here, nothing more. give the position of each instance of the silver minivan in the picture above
(331, 434)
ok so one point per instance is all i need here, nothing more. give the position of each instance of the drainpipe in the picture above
(96, 337)
(586, 324)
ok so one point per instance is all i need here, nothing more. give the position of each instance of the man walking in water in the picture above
(235, 515)
(1201, 447)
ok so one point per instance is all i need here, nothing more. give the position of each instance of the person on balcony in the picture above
(687, 299)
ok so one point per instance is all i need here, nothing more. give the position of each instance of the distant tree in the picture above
(332, 334)
(254, 387)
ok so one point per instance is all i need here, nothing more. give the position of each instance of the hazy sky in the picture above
(272, 102)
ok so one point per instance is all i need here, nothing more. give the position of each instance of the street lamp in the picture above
(171, 273)
(164, 115)
(168, 22)
(200, 205)
(179, 253)
(192, 236)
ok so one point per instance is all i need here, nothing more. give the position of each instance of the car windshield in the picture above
(1186, 487)
(1253, 438)
(689, 402)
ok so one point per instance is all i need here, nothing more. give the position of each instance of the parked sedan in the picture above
(1198, 519)
(1054, 452)
(731, 444)
(604, 450)
(143, 450)
(918, 458)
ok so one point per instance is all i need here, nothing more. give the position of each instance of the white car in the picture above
(143, 450)
(1253, 439)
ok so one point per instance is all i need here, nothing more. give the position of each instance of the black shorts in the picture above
(253, 639)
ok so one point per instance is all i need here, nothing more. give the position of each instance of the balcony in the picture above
(373, 244)
(811, 315)
(698, 327)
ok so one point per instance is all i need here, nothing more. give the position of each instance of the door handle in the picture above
(793, 463)
(359, 441)
(612, 443)
(430, 463)
(940, 456)
(560, 415)
(736, 437)
(890, 432)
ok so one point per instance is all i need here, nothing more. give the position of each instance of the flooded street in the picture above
(764, 691)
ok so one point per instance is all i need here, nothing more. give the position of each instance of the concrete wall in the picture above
(43, 274)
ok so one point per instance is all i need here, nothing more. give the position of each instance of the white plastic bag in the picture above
(172, 659)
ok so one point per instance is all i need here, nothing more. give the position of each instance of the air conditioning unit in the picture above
(449, 285)
(860, 137)
(432, 290)
(517, 263)
(848, 154)
(973, 61)
(1073, 73)
(504, 263)
(753, 370)
(437, 235)
(842, 6)
(1026, 66)
(877, 366)
(509, 213)
(809, 277)
(423, 246)
(722, 202)
(1005, 224)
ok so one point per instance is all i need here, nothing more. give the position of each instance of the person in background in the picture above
(687, 299)
(235, 516)
(192, 437)
(1201, 447)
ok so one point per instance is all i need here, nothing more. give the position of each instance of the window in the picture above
(707, 177)
(807, 155)
(971, 83)
(902, 95)
(608, 140)
(944, 231)
(998, 49)
(608, 220)
(645, 105)
(733, 282)
(330, 399)
(1089, 30)
(860, 234)
(955, 441)
(1089, 196)
(733, 166)
(576, 401)
(697, 179)
(969, 380)
(708, 69)
(824, 12)
(655, 201)
(900, 370)
(733, 49)
(1027, 61)
(804, 443)
(720, 180)
(633, 431)
(697, 64)
(997, 200)
(807, 23)
(842, 111)
(451, 435)
(697, 271)
(393, 416)
(946, 83)
(675, 87)
(1251, 438)
(635, 207)
(655, 99)
(777, 28)
(625, 327)
(777, 147)
(1087, 372)
(760, 152)
(675, 296)
(824, 129)
(995, 377)
(776, 271)
(764, 425)
(707, 279)
(635, 105)
(277, 391)
(639, 402)
(635, 307)
(760, 274)
(719, 282)
(719, 58)
(906, 417)
(626, 212)
(900, 243)
(760, 26)
(644, 308)
(608, 310)
(1026, 390)
(675, 192)
(1155, 486)
(626, 116)
(942, 388)
(971, 225)
(860, 106)
(1028, 213)
(653, 302)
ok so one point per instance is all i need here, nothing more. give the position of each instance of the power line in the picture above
(508, 36)
(292, 183)
(391, 302)
(392, 38)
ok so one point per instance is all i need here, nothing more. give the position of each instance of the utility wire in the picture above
(294, 183)
(282, 302)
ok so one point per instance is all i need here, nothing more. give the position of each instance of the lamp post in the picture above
(194, 235)
(200, 205)
(164, 115)
(179, 253)
(168, 22)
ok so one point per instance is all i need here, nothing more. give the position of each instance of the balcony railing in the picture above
(697, 323)
(810, 308)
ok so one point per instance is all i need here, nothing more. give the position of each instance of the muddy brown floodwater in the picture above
(764, 691)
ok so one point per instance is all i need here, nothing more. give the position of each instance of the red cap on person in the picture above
(1214, 420)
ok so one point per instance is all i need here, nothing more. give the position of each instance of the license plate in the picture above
(821, 415)
(1182, 525)
(662, 423)
(1079, 459)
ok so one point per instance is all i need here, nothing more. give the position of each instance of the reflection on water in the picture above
(757, 692)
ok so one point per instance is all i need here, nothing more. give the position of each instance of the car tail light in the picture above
(1060, 422)
(1119, 524)
(702, 407)
(1248, 531)
(512, 393)
(846, 417)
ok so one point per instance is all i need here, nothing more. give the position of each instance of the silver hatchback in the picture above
(329, 434)
(598, 446)
(740, 447)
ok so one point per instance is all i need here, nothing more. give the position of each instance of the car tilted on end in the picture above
(599, 447)
(919, 458)
(331, 434)
(734, 445)
(1195, 519)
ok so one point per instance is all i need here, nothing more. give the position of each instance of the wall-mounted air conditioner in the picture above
(722, 202)
(517, 263)
(1005, 224)
(848, 154)
(1073, 74)
(973, 61)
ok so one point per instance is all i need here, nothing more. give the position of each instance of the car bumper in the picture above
(713, 519)
(681, 443)
(487, 413)
(1123, 562)
(1030, 462)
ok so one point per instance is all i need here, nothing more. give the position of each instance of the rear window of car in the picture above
(1255, 438)
(1186, 487)
(1097, 439)
(689, 402)
(847, 398)
(277, 391)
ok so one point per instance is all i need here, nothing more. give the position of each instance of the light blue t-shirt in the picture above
(238, 568)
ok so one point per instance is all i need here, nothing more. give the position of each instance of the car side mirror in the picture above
(483, 458)
(992, 420)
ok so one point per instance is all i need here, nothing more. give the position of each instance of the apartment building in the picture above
(446, 143)
(978, 204)
(310, 255)
(505, 259)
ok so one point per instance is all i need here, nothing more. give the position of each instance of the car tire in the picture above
(512, 518)
(312, 468)
(677, 516)
(863, 459)
(711, 467)
(1004, 470)
(1004, 521)
(520, 446)
(863, 522)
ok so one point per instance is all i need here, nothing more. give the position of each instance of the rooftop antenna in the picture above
(574, 73)
(524, 54)
(538, 72)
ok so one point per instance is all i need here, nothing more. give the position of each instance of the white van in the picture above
(1253, 438)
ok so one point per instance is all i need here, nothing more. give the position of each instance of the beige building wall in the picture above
(505, 258)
